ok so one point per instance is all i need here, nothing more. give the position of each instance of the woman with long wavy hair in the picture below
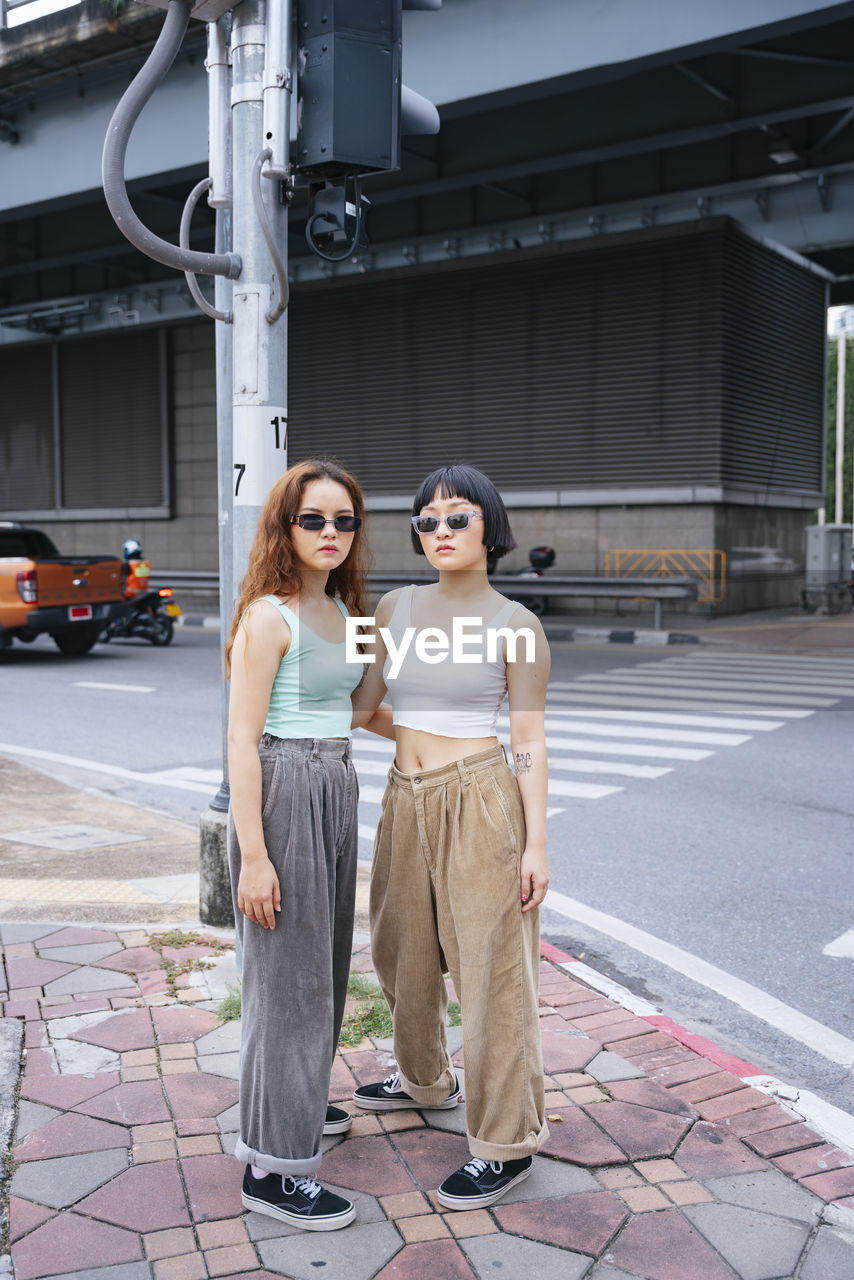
(293, 831)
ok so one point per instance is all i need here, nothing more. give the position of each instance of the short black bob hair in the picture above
(463, 481)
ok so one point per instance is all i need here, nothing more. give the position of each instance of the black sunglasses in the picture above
(314, 523)
(457, 521)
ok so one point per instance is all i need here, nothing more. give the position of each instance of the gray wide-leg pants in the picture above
(294, 980)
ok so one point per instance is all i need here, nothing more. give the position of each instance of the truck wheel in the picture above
(73, 643)
(161, 630)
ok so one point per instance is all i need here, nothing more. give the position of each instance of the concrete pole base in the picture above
(215, 906)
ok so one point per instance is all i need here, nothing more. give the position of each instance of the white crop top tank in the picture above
(448, 698)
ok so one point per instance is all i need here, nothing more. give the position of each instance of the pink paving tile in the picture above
(629, 1029)
(369, 1164)
(773, 1117)
(137, 1102)
(65, 1007)
(342, 1082)
(154, 983)
(692, 1068)
(428, 1260)
(636, 1046)
(734, 1104)
(367, 1065)
(174, 1024)
(831, 1186)
(585, 1223)
(196, 952)
(605, 1014)
(23, 1008)
(647, 1093)
(35, 973)
(639, 1131)
(19, 951)
(579, 1140)
(35, 1035)
(148, 1197)
(663, 1246)
(24, 993)
(24, 1216)
(65, 1091)
(71, 1243)
(708, 1086)
(562, 1052)
(800, 1164)
(213, 1186)
(133, 960)
(779, 1142)
(74, 937)
(200, 1096)
(709, 1151)
(123, 1032)
(71, 1135)
(40, 1062)
(193, 1128)
(656, 1061)
(256, 1275)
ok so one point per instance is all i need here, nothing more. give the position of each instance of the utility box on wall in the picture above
(828, 556)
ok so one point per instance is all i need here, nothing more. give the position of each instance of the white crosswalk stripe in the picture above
(638, 724)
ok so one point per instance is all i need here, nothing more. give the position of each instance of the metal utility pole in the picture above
(840, 422)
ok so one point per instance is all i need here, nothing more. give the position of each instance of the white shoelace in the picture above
(307, 1186)
(392, 1083)
(476, 1166)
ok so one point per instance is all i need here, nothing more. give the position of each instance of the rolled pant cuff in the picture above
(529, 1146)
(286, 1168)
(432, 1095)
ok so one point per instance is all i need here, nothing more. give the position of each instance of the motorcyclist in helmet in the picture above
(138, 569)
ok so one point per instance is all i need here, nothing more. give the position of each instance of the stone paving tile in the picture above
(355, 1254)
(675, 1055)
(578, 1139)
(773, 1117)
(830, 1254)
(367, 1065)
(562, 1052)
(62, 1181)
(648, 1093)
(424, 1227)
(608, 1066)
(405, 1205)
(734, 1104)
(76, 937)
(368, 1164)
(779, 1142)
(586, 1225)
(659, 1170)
(682, 1193)
(663, 1246)
(135, 1103)
(640, 1131)
(148, 1197)
(151, 1152)
(169, 1244)
(199, 1097)
(831, 1186)
(224, 1039)
(174, 1024)
(693, 1068)
(472, 1222)
(132, 960)
(756, 1245)
(231, 1258)
(623, 1176)
(123, 1271)
(709, 1151)
(85, 954)
(188, 1266)
(503, 1255)
(219, 1064)
(34, 973)
(708, 1086)
(123, 1032)
(644, 1199)
(25, 1216)
(813, 1160)
(213, 1187)
(69, 1242)
(640, 1046)
(72, 1134)
(88, 978)
(65, 1091)
(767, 1192)
(215, 1235)
(31, 1115)
(595, 1013)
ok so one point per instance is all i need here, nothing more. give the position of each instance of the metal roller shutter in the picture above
(26, 430)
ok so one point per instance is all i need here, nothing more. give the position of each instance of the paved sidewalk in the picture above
(661, 1165)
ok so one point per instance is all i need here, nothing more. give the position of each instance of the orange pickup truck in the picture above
(69, 597)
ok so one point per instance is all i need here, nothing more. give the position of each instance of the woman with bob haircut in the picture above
(460, 864)
(293, 832)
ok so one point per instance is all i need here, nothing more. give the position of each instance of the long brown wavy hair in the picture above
(273, 566)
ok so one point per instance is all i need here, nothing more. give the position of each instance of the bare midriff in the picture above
(419, 751)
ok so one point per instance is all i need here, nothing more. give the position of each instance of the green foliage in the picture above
(371, 1016)
(830, 458)
(455, 1017)
(229, 1007)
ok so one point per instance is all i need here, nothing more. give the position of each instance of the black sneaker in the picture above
(337, 1120)
(482, 1182)
(388, 1095)
(301, 1202)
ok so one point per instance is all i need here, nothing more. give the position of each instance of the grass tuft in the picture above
(371, 1015)
(229, 1007)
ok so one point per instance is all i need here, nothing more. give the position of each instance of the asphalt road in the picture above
(732, 844)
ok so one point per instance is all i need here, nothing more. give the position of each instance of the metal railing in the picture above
(708, 567)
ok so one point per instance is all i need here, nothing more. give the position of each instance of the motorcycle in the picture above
(150, 615)
(541, 558)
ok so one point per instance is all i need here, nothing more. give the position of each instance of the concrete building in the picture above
(604, 281)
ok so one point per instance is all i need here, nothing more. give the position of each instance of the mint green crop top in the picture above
(310, 697)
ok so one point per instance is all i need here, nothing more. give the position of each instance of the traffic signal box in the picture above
(350, 118)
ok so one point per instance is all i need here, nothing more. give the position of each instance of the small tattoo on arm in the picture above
(524, 763)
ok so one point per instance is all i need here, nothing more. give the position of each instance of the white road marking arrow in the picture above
(843, 946)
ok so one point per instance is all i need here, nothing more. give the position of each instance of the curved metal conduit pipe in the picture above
(124, 118)
(199, 298)
(267, 231)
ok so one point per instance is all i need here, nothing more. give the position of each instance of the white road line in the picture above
(373, 795)
(778, 659)
(842, 946)
(580, 790)
(623, 684)
(121, 688)
(723, 683)
(643, 731)
(384, 745)
(662, 717)
(591, 746)
(374, 767)
(607, 766)
(798, 1026)
(756, 668)
(570, 694)
(95, 766)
